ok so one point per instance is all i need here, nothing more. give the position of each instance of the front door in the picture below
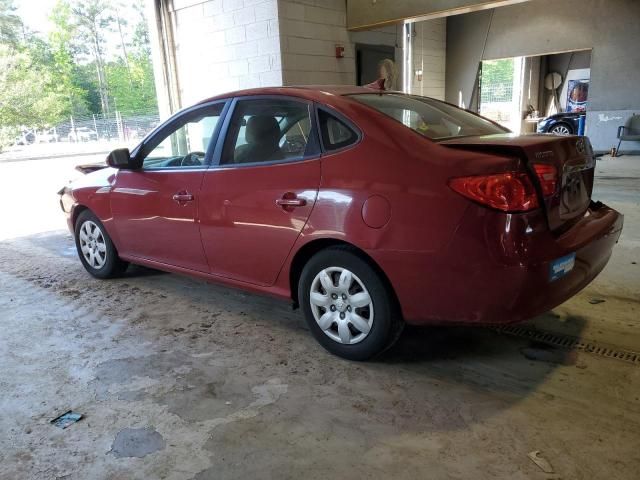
(257, 199)
(155, 208)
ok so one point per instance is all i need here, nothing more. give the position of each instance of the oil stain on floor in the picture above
(137, 442)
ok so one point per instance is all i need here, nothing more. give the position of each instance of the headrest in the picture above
(262, 129)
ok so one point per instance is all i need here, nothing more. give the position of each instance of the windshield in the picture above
(433, 119)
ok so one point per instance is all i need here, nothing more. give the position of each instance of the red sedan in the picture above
(368, 209)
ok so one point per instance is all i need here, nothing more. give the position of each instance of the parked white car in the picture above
(82, 134)
(47, 136)
(26, 137)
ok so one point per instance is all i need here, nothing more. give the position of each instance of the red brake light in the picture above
(509, 192)
(548, 176)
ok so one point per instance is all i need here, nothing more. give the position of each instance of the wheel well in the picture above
(303, 255)
(76, 213)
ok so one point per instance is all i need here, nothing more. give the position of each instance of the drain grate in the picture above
(571, 343)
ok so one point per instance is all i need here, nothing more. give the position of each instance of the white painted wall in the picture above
(309, 32)
(310, 29)
(429, 46)
(225, 45)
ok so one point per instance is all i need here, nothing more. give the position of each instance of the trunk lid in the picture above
(572, 156)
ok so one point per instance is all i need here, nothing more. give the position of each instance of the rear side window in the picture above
(335, 133)
(433, 119)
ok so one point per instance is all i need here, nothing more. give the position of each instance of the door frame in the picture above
(386, 49)
(312, 154)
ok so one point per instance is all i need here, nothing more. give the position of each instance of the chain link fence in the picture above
(497, 102)
(499, 96)
(92, 133)
(110, 127)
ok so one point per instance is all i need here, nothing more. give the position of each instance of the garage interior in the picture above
(539, 88)
(179, 379)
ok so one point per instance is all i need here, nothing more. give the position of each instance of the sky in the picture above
(35, 13)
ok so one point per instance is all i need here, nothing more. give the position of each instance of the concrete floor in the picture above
(179, 379)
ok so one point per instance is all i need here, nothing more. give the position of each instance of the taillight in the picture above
(509, 192)
(548, 177)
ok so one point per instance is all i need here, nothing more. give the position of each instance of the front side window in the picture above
(268, 130)
(433, 119)
(186, 144)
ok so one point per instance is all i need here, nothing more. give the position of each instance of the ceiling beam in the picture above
(365, 14)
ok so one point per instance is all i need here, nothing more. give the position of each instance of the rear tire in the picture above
(350, 309)
(95, 248)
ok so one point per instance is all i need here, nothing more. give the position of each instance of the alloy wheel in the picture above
(560, 130)
(341, 305)
(93, 245)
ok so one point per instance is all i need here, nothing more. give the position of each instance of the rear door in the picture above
(258, 195)
(155, 208)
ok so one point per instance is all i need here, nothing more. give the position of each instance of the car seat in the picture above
(262, 135)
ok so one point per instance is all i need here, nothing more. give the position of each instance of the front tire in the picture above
(95, 248)
(561, 129)
(347, 304)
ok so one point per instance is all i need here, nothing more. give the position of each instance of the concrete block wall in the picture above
(225, 45)
(309, 32)
(429, 52)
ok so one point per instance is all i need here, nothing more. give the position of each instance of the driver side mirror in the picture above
(120, 158)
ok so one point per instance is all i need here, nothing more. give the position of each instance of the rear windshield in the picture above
(433, 119)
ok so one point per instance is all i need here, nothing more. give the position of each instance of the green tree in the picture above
(141, 41)
(85, 79)
(10, 23)
(131, 87)
(72, 78)
(74, 71)
(497, 80)
(121, 22)
(26, 97)
(92, 18)
(29, 95)
(131, 80)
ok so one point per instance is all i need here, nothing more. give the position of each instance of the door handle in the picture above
(182, 197)
(290, 200)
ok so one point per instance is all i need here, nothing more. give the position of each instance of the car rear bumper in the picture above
(505, 278)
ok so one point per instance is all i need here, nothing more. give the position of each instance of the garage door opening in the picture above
(543, 92)
(501, 91)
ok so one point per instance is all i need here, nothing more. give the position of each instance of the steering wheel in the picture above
(192, 159)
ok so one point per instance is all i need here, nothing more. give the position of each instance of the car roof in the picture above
(310, 92)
